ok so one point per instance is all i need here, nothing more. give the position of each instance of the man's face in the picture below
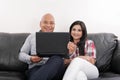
(47, 23)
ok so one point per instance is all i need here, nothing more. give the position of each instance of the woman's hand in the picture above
(35, 59)
(89, 59)
(71, 47)
(67, 61)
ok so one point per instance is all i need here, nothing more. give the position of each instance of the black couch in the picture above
(108, 56)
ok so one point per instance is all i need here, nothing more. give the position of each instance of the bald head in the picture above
(47, 23)
(47, 16)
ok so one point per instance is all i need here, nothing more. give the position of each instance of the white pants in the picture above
(80, 69)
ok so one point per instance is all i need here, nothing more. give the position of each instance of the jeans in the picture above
(48, 71)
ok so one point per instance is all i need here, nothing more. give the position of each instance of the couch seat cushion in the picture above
(5, 75)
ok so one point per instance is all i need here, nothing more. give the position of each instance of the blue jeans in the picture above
(48, 71)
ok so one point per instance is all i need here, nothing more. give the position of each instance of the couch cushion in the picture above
(6, 75)
(105, 45)
(108, 76)
(111, 78)
(115, 64)
(10, 44)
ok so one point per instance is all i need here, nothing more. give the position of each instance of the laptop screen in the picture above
(52, 43)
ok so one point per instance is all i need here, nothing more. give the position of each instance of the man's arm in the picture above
(25, 50)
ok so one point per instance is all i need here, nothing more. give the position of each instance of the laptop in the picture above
(52, 43)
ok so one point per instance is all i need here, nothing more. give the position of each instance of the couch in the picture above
(108, 55)
(107, 46)
(10, 67)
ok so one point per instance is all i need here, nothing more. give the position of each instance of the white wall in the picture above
(18, 16)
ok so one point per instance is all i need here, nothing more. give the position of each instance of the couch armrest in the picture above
(115, 64)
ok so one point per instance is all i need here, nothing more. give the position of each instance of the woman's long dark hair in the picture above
(81, 43)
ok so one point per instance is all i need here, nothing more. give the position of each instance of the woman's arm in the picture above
(89, 59)
(90, 52)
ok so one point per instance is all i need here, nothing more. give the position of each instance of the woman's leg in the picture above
(72, 70)
(81, 76)
(78, 65)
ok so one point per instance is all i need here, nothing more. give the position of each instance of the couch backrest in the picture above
(105, 45)
(10, 44)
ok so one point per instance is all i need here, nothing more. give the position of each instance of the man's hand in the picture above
(35, 59)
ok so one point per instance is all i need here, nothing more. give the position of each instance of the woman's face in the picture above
(76, 32)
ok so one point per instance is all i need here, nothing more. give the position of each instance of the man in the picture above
(40, 68)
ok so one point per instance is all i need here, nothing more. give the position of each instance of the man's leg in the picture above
(60, 73)
(31, 71)
(48, 70)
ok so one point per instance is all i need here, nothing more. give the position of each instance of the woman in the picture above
(82, 54)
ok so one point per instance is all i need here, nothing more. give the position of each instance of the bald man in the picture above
(40, 68)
